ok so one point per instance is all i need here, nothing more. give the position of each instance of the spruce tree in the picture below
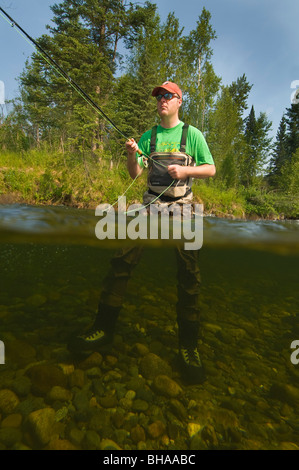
(200, 84)
(239, 91)
(280, 154)
(292, 120)
(258, 148)
(135, 107)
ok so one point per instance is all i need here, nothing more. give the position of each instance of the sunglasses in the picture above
(167, 96)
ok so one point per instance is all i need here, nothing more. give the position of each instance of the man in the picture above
(177, 153)
(168, 110)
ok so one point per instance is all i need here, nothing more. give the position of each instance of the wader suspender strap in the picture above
(183, 141)
(184, 138)
(153, 139)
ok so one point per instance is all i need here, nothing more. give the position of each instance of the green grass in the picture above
(219, 201)
(43, 177)
(40, 177)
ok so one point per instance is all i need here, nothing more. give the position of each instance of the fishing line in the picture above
(58, 69)
(152, 202)
(51, 62)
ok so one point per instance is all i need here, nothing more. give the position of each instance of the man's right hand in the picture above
(131, 146)
(132, 164)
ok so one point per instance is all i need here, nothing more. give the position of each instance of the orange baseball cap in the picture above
(168, 86)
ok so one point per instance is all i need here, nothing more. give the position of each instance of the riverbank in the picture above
(79, 182)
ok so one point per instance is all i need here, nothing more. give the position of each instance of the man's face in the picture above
(169, 108)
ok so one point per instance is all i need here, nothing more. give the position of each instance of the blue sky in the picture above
(257, 37)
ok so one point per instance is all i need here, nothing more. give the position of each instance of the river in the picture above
(52, 269)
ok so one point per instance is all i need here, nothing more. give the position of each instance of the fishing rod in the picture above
(71, 82)
(58, 69)
(62, 72)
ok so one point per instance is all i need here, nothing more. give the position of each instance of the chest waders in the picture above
(159, 180)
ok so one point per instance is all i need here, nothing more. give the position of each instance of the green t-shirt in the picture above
(169, 140)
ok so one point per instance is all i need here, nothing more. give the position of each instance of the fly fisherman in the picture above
(185, 155)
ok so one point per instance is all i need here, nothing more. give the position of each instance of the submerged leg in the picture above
(111, 301)
(115, 286)
(188, 314)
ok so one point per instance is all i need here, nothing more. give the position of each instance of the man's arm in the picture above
(132, 164)
(178, 172)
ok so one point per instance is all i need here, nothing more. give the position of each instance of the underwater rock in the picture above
(126, 403)
(166, 386)
(8, 401)
(196, 443)
(10, 436)
(178, 409)
(20, 352)
(131, 394)
(60, 444)
(44, 377)
(94, 360)
(139, 405)
(285, 393)
(81, 400)
(21, 386)
(67, 369)
(92, 441)
(94, 372)
(108, 444)
(100, 421)
(137, 434)
(288, 446)
(36, 300)
(41, 424)
(77, 378)
(193, 429)
(156, 429)
(30, 404)
(59, 393)
(76, 436)
(152, 365)
(12, 421)
(208, 435)
(139, 349)
(109, 401)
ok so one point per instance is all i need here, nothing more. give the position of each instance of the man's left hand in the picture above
(178, 172)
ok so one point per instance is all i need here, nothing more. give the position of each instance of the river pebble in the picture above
(164, 385)
(45, 376)
(131, 396)
(8, 401)
(137, 434)
(152, 365)
(41, 425)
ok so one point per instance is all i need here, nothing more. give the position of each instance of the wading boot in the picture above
(99, 335)
(191, 367)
